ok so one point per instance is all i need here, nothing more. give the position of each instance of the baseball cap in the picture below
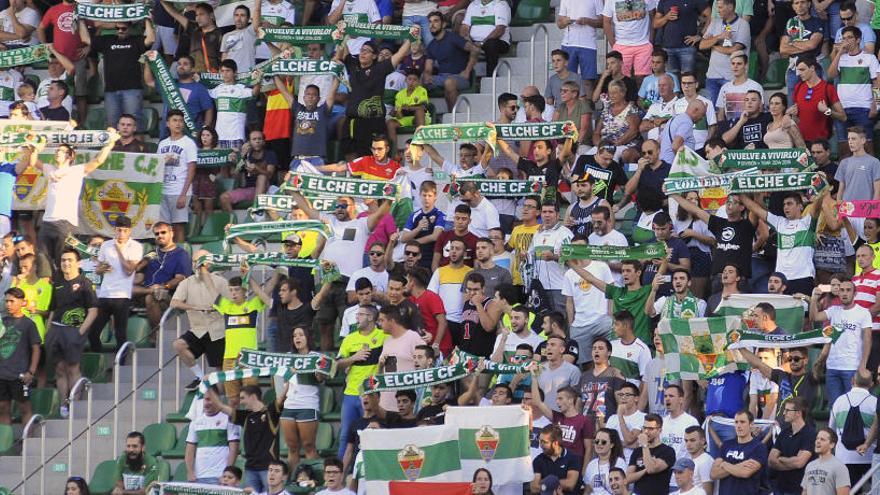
(122, 221)
(683, 463)
(292, 238)
(549, 485)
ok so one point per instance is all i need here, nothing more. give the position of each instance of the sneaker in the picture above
(193, 385)
(65, 411)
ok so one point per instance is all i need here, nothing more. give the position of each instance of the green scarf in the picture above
(453, 133)
(533, 131)
(240, 374)
(211, 80)
(606, 253)
(472, 362)
(298, 363)
(261, 228)
(169, 90)
(319, 185)
(229, 261)
(113, 13)
(737, 339)
(676, 185)
(813, 182)
(274, 202)
(33, 126)
(178, 488)
(684, 309)
(765, 159)
(298, 35)
(303, 67)
(82, 248)
(24, 56)
(402, 380)
(500, 188)
(213, 158)
(53, 139)
(379, 31)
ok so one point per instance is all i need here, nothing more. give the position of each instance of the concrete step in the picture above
(524, 33)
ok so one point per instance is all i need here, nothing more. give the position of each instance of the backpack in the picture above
(853, 433)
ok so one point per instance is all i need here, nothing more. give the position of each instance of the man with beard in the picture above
(650, 467)
(211, 444)
(678, 256)
(545, 250)
(579, 217)
(378, 165)
(135, 469)
(557, 462)
(519, 332)
(447, 282)
(163, 269)
(521, 237)
(792, 384)
(493, 275)
(607, 175)
(198, 101)
(453, 56)
(484, 215)
(375, 272)
(680, 304)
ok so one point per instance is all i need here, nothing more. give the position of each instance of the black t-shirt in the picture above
(567, 461)
(550, 170)
(432, 414)
(288, 319)
(71, 300)
(394, 420)
(657, 483)
(412, 316)
(790, 386)
(121, 67)
(632, 91)
(734, 244)
(789, 444)
(59, 113)
(260, 433)
(305, 279)
(571, 349)
(606, 181)
(16, 345)
(204, 47)
(470, 336)
(752, 132)
(367, 88)
(265, 158)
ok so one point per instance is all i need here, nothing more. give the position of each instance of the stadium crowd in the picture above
(426, 275)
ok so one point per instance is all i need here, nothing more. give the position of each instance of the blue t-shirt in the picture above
(197, 99)
(650, 91)
(310, 130)
(7, 185)
(166, 265)
(734, 452)
(725, 393)
(673, 33)
(448, 54)
(436, 218)
(160, 16)
(680, 125)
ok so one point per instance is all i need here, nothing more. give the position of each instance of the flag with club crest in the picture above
(426, 453)
(696, 348)
(423, 488)
(687, 163)
(496, 439)
(789, 310)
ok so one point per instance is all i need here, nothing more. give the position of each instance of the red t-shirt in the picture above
(64, 29)
(574, 430)
(430, 305)
(813, 123)
(366, 167)
(442, 247)
(867, 288)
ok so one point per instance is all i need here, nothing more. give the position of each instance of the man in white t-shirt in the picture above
(273, 13)
(230, 101)
(695, 445)
(486, 25)
(545, 250)
(484, 216)
(604, 234)
(730, 102)
(179, 153)
(627, 26)
(585, 305)
(117, 261)
(375, 272)
(630, 427)
(578, 20)
(675, 424)
(683, 477)
(211, 444)
(18, 24)
(847, 355)
(334, 478)
(65, 184)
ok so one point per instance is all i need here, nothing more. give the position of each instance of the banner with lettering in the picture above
(867, 208)
(167, 87)
(501, 188)
(230, 261)
(211, 80)
(319, 185)
(299, 363)
(80, 139)
(297, 35)
(796, 158)
(303, 67)
(677, 185)
(533, 131)
(8, 126)
(379, 31)
(240, 374)
(814, 183)
(738, 339)
(113, 12)
(483, 365)
(24, 56)
(276, 227)
(606, 253)
(179, 488)
(453, 133)
(214, 158)
(401, 380)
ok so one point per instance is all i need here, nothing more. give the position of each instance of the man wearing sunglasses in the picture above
(123, 85)
(792, 384)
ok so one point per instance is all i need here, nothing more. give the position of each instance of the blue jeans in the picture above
(258, 480)
(855, 117)
(725, 433)
(834, 22)
(272, 332)
(422, 21)
(837, 383)
(761, 270)
(129, 101)
(351, 410)
(681, 60)
(583, 61)
(713, 86)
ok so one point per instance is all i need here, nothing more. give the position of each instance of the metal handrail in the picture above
(85, 384)
(501, 63)
(864, 479)
(538, 28)
(120, 354)
(461, 99)
(38, 420)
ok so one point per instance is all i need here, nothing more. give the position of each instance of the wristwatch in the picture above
(828, 112)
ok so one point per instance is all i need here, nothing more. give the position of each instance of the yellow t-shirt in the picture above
(358, 372)
(241, 324)
(38, 296)
(520, 240)
(876, 264)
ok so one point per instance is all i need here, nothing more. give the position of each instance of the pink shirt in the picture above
(403, 349)
(382, 232)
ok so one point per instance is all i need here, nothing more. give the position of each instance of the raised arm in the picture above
(753, 206)
(586, 275)
(509, 153)
(177, 16)
(374, 218)
(105, 152)
(691, 208)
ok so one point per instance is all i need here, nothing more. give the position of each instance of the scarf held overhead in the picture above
(605, 253)
(261, 228)
(24, 56)
(319, 185)
(300, 363)
(112, 12)
(796, 158)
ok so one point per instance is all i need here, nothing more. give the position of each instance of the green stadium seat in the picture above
(7, 439)
(151, 121)
(45, 402)
(324, 440)
(329, 410)
(180, 415)
(138, 331)
(94, 366)
(164, 471)
(108, 339)
(776, 74)
(180, 473)
(179, 449)
(104, 479)
(160, 437)
(96, 120)
(334, 151)
(192, 226)
(530, 12)
(214, 228)
(96, 91)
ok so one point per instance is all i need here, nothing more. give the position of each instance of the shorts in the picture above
(169, 212)
(212, 349)
(440, 80)
(334, 304)
(64, 343)
(409, 121)
(81, 80)
(13, 390)
(242, 194)
(233, 387)
(636, 58)
(300, 415)
(234, 144)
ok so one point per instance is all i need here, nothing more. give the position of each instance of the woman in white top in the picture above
(299, 419)
(609, 450)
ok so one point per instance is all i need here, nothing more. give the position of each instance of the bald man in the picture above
(196, 295)
(679, 131)
(527, 91)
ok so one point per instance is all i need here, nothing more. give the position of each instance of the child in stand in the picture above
(410, 106)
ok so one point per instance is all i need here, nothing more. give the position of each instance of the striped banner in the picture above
(80, 139)
(240, 374)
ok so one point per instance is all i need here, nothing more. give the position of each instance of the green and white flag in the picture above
(297, 35)
(401, 380)
(696, 348)
(426, 453)
(378, 31)
(605, 253)
(796, 158)
(213, 158)
(498, 441)
(778, 182)
(129, 12)
(232, 261)
(319, 185)
(687, 164)
(176, 488)
(240, 374)
(738, 339)
(789, 310)
(501, 188)
(80, 139)
(313, 362)
(24, 56)
(263, 228)
(167, 87)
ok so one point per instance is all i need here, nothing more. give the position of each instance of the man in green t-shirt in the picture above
(37, 291)
(631, 297)
(135, 469)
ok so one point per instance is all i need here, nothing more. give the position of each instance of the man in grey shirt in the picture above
(727, 34)
(679, 131)
(858, 175)
(827, 474)
(553, 91)
(484, 265)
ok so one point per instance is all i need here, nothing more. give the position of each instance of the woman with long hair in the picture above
(609, 454)
(699, 241)
(76, 486)
(482, 482)
(782, 132)
(302, 403)
(204, 185)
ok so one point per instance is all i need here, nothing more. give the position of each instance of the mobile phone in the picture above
(825, 288)
(667, 279)
(390, 364)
